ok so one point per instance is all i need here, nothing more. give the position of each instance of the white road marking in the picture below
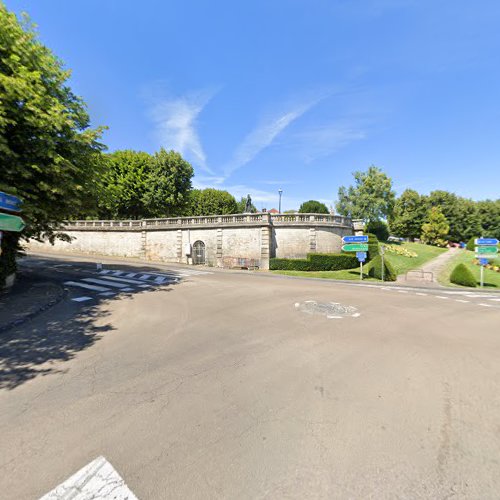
(486, 305)
(108, 294)
(124, 280)
(441, 297)
(104, 271)
(145, 277)
(402, 291)
(128, 289)
(495, 300)
(145, 286)
(130, 275)
(117, 273)
(420, 293)
(98, 479)
(81, 299)
(88, 287)
(160, 279)
(107, 283)
(334, 317)
(461, 300)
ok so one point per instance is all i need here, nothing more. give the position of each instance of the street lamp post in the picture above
(280, 193)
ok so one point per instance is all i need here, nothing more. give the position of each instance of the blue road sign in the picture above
(361, 256)
(9, 202)
(483, 262)
(355, 239)
(486, 241)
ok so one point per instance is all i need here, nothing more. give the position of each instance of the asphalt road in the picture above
(234, 385)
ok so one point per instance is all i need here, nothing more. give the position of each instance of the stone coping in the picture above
(210, 222)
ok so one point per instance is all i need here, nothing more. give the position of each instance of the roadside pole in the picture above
(361, 271)
(482, 276)
(382, 252)
(487, 248)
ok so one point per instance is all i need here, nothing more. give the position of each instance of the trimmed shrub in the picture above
(290, 265)
(462, 275)
(375, 269)
(332, 262)
(471, 245)
(373, 250)
(379, 228)
(315, 262)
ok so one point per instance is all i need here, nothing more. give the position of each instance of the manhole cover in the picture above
(332, 310)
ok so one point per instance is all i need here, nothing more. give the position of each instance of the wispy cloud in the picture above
(175, 120)
(263, 136)
(322, 141)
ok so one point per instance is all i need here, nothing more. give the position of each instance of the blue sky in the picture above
(292, 94)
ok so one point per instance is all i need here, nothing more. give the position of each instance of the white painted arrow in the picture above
(96, 480)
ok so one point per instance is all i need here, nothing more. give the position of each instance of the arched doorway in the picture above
(198, 252)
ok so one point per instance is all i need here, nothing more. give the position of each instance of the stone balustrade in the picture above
(211, 221)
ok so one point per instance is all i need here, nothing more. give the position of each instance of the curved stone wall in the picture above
(228, 239)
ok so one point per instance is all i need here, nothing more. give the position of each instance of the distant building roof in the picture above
(273, 211)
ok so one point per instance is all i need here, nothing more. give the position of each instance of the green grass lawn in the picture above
(400, 263)
(424, 253)
(491, 278)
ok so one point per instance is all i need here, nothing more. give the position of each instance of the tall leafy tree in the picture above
(489, 215)
(371, 198)
(49, 154)
(124, 185)
(211, 202)
(436, 229)
(168, 185)
(313, 207)
(462, 214)
(410, 211)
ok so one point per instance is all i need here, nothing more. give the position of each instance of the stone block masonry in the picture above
(214, 238)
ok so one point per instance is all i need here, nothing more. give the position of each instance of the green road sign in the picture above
(355, 247)
(11, 223)
(482, 250)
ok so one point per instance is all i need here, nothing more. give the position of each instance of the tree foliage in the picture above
(313, 207)
(379, 229)
(371, 197)
(50, 156)
(211, 202)
(435, 230)
(409, 214)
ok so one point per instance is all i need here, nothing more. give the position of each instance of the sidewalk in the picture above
(428, 274)
(28, 297)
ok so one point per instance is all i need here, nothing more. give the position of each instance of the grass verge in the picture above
(491, 278)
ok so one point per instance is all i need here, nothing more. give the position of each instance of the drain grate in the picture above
(332, 310)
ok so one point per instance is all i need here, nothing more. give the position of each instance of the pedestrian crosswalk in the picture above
(110, 282)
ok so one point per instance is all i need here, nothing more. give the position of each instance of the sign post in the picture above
(361, 256)
(9, 202)
(358, 244)
(487, 249)
(11, 223)
(382, 252)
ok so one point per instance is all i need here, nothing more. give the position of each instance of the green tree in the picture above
(379, 229)
(50, 156)
(242, 205)
(436, 228)
(462, 214)
(409, 214)
(211, 202)
(489, 216)
(313, 207)
(124, 185)
(371, 197)
(168, 185)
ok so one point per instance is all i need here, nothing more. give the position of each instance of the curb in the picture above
(36, 312)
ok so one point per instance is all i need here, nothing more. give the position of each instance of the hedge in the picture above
(462, 275)
(315, 262)
(373, 249)
(471, 245)
(375, 269)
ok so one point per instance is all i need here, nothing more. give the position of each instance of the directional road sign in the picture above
(361, 256)
(9, 202)
(486, 255)
(483, 261)
(11, 223)
(485, 249)
(355, 239)
(486, 241)
(355, 247)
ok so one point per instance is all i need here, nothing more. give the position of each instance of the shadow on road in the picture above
(37, 347)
